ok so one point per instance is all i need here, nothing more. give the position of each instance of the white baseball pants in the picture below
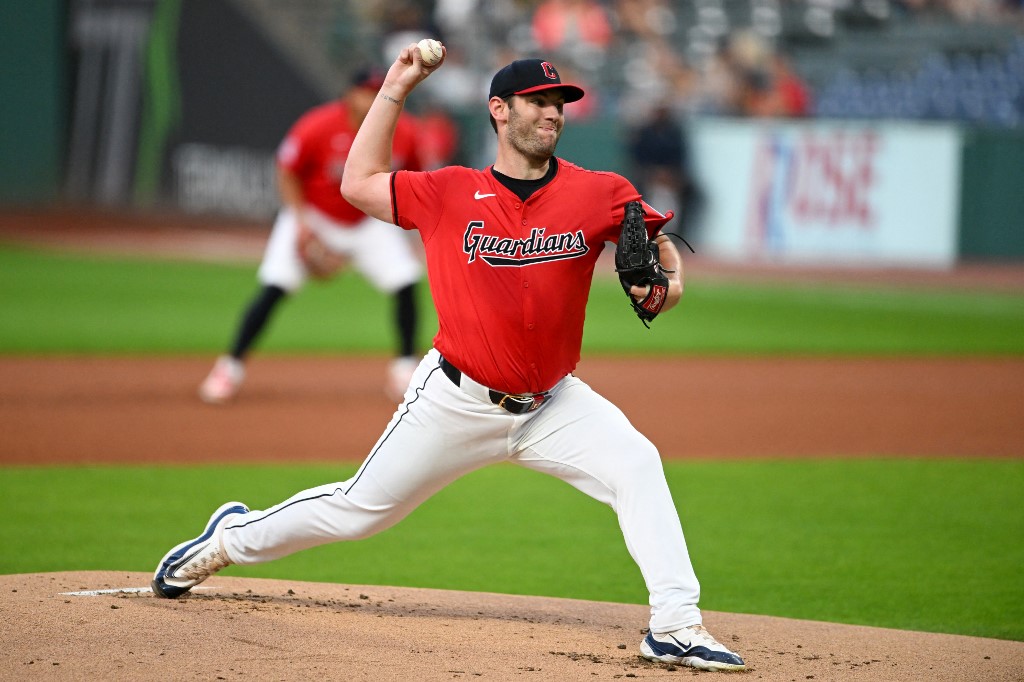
(441, 432)
(380, 251)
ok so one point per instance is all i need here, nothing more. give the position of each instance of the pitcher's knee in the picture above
(640, 462)
(642, 453)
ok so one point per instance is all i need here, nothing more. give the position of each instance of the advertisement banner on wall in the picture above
(819, 193)
(179, 104)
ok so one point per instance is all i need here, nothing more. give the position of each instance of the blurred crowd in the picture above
(653, 64)
(636, 57)
(966, 10)
(632, 56)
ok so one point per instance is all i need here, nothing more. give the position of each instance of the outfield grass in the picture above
(77, 304)
(915, 544)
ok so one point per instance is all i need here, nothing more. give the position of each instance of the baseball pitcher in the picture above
(511, 251)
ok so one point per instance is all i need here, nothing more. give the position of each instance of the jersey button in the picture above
(529, 326)
(524, 222)
(526, 285)
(519, 205)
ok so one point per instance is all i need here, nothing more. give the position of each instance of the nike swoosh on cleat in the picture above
(684, 647)
(478, 196)
(182, 561)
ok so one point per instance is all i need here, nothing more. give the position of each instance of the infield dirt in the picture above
(146, 410)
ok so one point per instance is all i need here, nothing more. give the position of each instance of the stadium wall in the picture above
(33, 100)
(172, 122)
(992, 206)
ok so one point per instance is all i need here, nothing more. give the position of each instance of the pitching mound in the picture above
(71, 626)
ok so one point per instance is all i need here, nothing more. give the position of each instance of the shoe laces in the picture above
(204, 565)
(701, 633)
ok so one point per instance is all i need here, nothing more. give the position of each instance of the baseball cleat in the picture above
(223, 381)
(693, 646)
(193, 561)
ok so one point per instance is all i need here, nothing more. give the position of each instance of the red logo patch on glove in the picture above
(655, 299)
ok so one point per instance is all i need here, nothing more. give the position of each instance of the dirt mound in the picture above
(58, 626)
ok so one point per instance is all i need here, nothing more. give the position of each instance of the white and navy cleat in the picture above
(193, 561)
(693, 646)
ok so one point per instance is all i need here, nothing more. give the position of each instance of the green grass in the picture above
(59, 303)
(929, 545)
(791, 319)
(55, 303)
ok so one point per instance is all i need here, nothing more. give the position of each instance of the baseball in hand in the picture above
(430, 51)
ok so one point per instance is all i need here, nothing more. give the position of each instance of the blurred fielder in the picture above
(317, 232)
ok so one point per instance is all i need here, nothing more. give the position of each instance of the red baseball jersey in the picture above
(510, 278)
(317, 147)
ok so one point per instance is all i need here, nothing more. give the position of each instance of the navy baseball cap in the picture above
(531, 75)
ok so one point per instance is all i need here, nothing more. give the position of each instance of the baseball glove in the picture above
(637, 264)
(320, 261)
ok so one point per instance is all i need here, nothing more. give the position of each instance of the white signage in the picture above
(828, 193)
(232, 181)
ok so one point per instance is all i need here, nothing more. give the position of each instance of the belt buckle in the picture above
(524, 403)
(519, 401)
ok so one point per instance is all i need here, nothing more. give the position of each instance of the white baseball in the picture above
(430, 51)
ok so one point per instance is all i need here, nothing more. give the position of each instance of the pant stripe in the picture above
(390, 431)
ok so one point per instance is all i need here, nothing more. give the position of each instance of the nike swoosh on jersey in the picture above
(477, 195)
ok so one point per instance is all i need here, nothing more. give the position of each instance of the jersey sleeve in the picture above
(417, 199)
(655, 219)
(623, 193)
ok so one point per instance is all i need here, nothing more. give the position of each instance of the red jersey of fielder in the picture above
(511, 278)
(317, 146)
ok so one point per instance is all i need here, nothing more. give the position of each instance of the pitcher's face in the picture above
(535, 122)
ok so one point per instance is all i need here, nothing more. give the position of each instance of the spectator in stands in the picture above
(458, 84)
(660, 159)
(404, 22)
(579, 30)
(589, 106)
(777, 92)
(654, 73)
(721, 88)
(647, 18)
(457, 18)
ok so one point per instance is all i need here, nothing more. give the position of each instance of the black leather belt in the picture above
(511, 402)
